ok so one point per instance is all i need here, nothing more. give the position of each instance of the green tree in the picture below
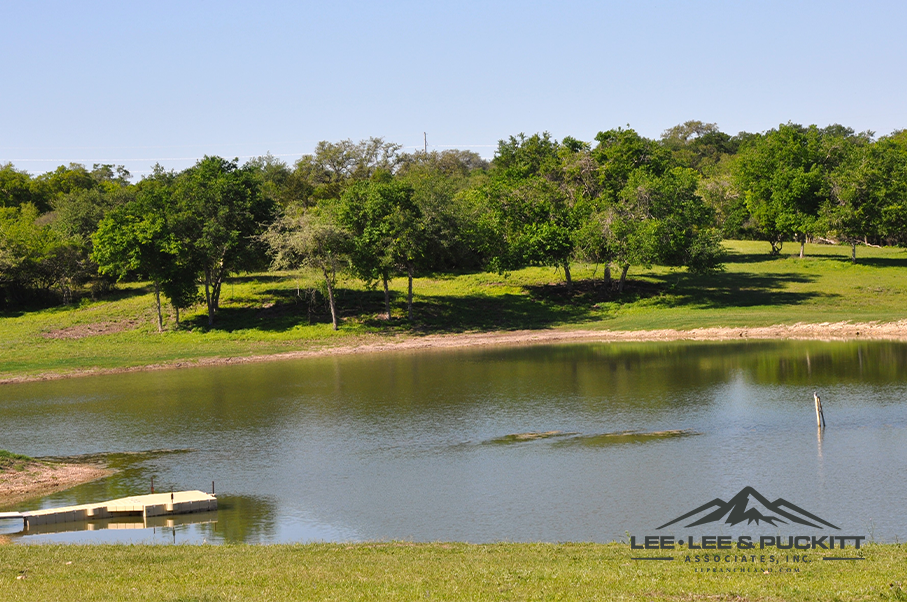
(34, 257)
(698, 145)
(534, 203)
(891, 157)
(109, 177)
(141, 237)
(279, 183)
(853, 212)
(65, 179)
(683, 225)
(719, 191)
(785, 177)
(311, 237)
(221, 212)
(387, 234)
(614, 234)
(447, 219)
(17, 188)
(450, 162)
(77, 214)
(868, 192)
(619, 153)
(648, 211)
(658, 219)
(334, 166)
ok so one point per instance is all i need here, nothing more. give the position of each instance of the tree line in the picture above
(373, 211)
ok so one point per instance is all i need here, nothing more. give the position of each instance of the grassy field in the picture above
(273, 313)
(436, 571)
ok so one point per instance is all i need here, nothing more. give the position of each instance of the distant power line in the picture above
(155, 146)
(140, 159)
(193, 158)
(151, 160)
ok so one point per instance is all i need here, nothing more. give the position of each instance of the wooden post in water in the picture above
(820, 415)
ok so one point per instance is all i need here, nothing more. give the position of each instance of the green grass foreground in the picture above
(436, 571)
(273, 313)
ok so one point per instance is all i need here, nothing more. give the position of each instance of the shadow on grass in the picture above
(750, 258)
(842, 255)
(293, 308)
(256, 279)
(51, 302)
(436, 314)
(881, 262)
(449, 314)
(541, 306)
(722, 290)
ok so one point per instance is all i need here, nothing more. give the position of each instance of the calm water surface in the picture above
(401, 445)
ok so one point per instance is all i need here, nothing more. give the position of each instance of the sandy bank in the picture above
(826, 331)
(35, 479)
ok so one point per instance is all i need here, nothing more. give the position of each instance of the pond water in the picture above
(413, 445)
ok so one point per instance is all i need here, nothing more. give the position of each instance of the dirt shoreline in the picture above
(37, 479)
(825, 331)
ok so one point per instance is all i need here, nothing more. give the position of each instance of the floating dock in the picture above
(145, 506)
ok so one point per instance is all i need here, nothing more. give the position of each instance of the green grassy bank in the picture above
(274, 313)
(12, 461)
(437, 571)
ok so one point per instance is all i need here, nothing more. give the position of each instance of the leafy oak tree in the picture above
(34, 258)
(220, 213)
(143, 238)
(534, 203)
(785, 177)
(387, 236)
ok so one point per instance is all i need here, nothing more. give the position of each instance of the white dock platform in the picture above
(155, 504)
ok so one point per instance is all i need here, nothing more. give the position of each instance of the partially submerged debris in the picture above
(531, 436)
(596, 439)
(630, 437)
(124, 457)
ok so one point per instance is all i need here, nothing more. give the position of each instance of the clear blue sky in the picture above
(136, 83)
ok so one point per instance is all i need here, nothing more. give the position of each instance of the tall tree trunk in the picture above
(218, 282)
(208, 299)
(157, 302)
(387, 296)
(176, 312)
(607, 277)
(623, 277)
(328, 280)
(567, 276)
(409, 296)
(853, 251)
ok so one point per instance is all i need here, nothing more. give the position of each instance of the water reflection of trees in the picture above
(243, 519)
(261, 399)
(627, 375)
(826, 364)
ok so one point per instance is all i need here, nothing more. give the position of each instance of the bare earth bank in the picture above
(36, 479)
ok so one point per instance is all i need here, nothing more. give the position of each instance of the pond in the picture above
(446, 445)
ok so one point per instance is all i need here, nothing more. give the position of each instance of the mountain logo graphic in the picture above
(752, 507)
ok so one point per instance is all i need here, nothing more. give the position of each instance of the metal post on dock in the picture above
(820, 415)
(212, 487)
